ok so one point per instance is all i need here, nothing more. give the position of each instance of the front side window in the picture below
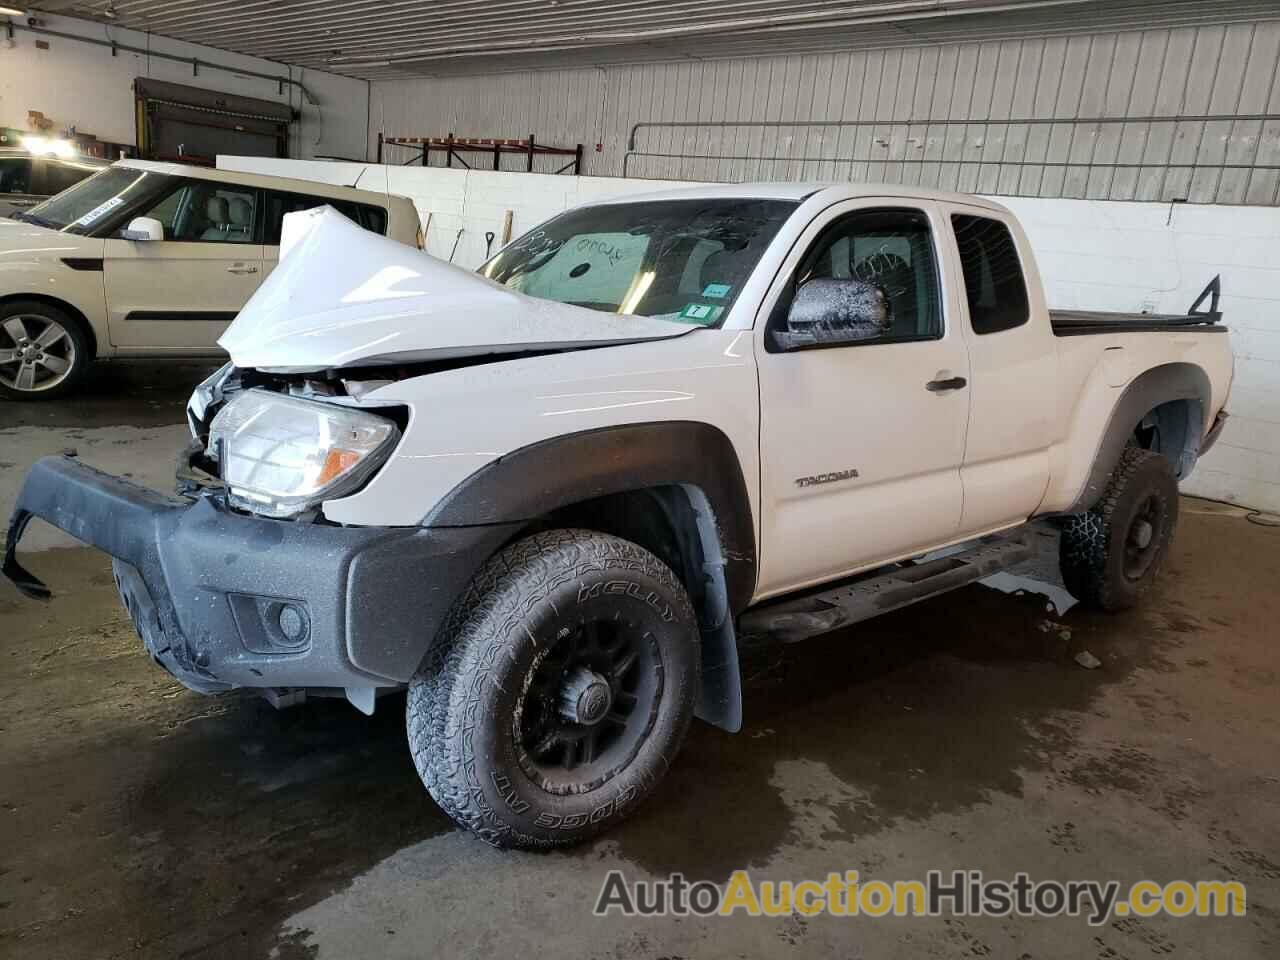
(993, 281)
(683, 260)
(870, 277)
(205, 211)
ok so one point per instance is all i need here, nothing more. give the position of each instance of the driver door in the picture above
(177, 295)
(863, 427)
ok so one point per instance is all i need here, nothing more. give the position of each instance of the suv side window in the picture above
(373, 219)
(205, 211)
(993, 281)
(893, 251)
(15, 175)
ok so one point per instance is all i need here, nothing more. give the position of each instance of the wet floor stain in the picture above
(118, 392)
(160, 823)
(928, 710)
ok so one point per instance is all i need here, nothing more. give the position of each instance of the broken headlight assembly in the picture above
(280, 456)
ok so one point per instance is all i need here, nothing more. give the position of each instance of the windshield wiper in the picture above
(38, 221)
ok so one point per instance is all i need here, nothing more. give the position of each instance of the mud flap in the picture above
(720, 692)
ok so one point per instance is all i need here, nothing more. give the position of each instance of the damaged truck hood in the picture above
(342, 296)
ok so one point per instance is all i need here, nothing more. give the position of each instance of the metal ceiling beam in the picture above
(308, 31)
(405, 38)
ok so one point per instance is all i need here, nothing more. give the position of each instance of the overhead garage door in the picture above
(177, 122)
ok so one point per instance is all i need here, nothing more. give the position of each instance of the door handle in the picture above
(940, 386)
(242, 269)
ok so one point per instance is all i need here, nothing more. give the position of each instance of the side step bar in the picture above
(889, 588)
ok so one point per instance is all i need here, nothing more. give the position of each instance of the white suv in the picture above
(147, 260)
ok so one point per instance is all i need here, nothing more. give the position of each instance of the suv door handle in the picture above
(240, 268)
(939, 386)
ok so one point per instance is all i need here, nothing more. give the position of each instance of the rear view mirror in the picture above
(830, 311)
(143, 228)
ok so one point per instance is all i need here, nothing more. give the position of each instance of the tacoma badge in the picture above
(826, 478)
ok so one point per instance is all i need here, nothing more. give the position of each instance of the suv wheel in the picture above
(1111, 555)
(559, 691)
(43, 351)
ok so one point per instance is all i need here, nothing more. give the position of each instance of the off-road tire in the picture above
(466, 701)
(1092, 553)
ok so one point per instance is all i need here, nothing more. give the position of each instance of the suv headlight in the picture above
(280, 455)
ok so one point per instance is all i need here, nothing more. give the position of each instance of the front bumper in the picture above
(208, 588)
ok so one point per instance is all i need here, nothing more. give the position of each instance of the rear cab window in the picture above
(994, 285)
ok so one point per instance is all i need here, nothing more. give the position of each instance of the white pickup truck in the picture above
(548, 497)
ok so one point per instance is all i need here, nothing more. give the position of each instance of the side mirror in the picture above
(143, 228)
(830, 311)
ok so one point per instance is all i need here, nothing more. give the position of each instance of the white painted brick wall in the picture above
(1093, 255)
(1131, 256)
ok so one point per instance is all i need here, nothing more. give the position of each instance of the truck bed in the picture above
(1076, 323)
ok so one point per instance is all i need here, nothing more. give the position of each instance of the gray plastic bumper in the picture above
(225, 600)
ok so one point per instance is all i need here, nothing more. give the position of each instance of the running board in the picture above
(899, 585)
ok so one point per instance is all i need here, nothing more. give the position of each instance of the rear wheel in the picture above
(560, 690)
(43, 351)
(1111, 555)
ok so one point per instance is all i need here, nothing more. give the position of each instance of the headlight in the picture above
(280, 455)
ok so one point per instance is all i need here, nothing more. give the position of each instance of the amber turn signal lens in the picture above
(336, 463)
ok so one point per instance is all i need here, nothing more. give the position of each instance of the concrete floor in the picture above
(140, 820)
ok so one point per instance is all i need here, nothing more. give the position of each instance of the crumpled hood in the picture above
(343, 296)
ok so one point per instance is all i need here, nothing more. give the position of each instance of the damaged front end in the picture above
(223, 598)
(240, 580)
(282, 454)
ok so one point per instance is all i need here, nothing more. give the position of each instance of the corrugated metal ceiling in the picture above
(406, 38)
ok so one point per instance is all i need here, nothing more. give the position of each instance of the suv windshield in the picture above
(81, 207)
(680, 260)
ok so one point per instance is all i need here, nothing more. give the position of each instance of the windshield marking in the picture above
(683, 260)
(98, 211)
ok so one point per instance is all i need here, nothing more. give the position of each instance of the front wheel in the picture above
(43, 351)
(559, 691)
(1111, 555)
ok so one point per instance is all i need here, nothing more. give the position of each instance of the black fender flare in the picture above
(696, 457)
(1146, 392)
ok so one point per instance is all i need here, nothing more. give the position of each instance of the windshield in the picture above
(682, 260)
(79, 208)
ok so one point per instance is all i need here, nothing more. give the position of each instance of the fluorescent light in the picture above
(12, 12)
(638, 290)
